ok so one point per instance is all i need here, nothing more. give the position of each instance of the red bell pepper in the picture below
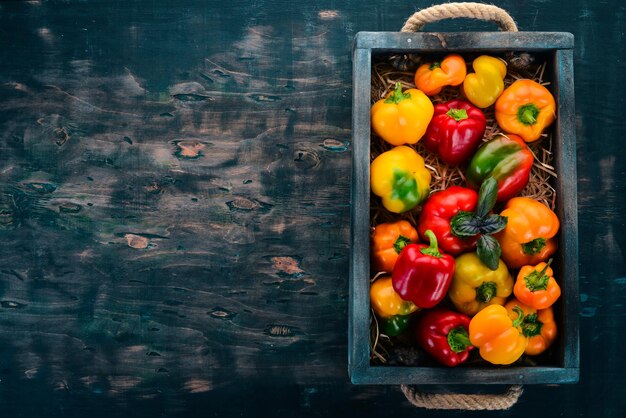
(455, 131)
(439, 210)
(444, 334)
(423, 274)
(507, 159)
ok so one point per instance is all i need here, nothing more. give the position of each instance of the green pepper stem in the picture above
(458, 339)
(545, 268)
(433, 249)
(527, 114)
(397, 96)
(538, 280)
(457, 114)
(520, 316)
(534, 247)
(531, 326)
(400, 243)
(436, 64)
(486, 291)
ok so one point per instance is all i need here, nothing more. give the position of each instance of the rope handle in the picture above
(468, 402)
(479, 11)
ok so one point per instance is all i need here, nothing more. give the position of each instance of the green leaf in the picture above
(489, 251)
(492, 224)
(487, 197)
(465, 224)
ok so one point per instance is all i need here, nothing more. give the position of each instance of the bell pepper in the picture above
(536, 287)
(498, 337)
(400, 178)
(528, 236)
(422, 273)
(432, 77)
(455, 131)
(394, 325)
(538, 326)
(392, 310)
(439, 210)
(402, 117)
(475, 286)
(444, 334)
(525, 108)
(486, 84)
(507, 159)
(388, 239)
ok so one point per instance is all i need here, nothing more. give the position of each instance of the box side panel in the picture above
(466, 41)
(390, 375)
(567, 206)
(358, 339)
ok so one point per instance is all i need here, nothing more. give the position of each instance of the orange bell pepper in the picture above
(388, 239)
(536, 287)
(538, 326)
(525, 108)
(498, 337)
(432, 77)
(528, 236)
(402, 117)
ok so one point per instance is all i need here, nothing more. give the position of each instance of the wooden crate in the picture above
(558, 48)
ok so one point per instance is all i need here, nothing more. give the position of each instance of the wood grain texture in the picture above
(174, 207)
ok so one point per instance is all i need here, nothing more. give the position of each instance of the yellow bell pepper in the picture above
(386, 302)
(402, 117)
(486, 84)
(476, 286)
(400, 178)
(498, 337)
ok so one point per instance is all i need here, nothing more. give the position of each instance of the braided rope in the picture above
(468, 402)
(479, 11)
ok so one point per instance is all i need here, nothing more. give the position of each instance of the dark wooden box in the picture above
(558, 48)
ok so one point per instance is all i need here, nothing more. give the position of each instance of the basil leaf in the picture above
(489, 251)
(492, 224)
(487, 197)
(465, 224)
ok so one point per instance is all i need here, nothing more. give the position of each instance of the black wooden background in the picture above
(174, 208)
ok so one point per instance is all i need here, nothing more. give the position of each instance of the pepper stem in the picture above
(436, 64)
(400, 243)
(531, 326)
(538, 280)
(458, 339)
(457, 114)
(527, 114)
(534, 247)
(433, 249)
(520, 316)
(486, 291)
(397, 96)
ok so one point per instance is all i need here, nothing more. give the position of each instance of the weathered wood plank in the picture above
(168, 168)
